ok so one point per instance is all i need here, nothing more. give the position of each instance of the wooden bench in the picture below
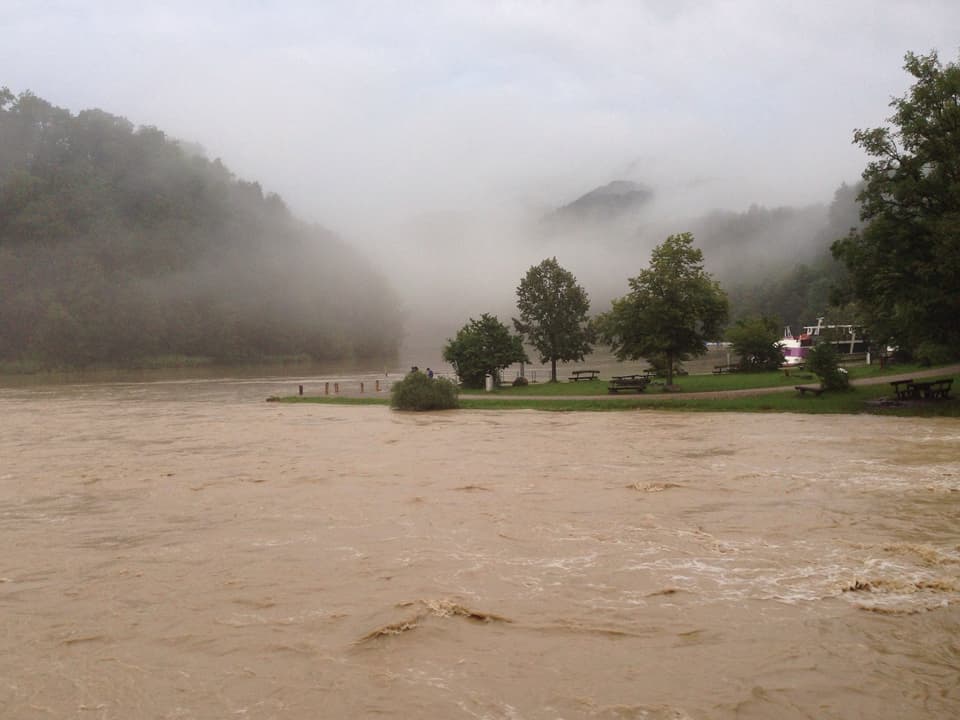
(941, 389)
(933, 390)
(804, 389)
(579, 375)
(628, 382)
(903, 389)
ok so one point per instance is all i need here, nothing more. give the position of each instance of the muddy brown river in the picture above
(186, 550)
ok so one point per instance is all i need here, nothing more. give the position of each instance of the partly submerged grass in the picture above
(331, 400)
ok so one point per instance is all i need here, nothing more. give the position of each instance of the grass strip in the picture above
(693, 383)
(854, 401)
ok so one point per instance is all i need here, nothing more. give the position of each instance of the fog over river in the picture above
(186, 550)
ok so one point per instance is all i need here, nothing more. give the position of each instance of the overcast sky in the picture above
(359, 112)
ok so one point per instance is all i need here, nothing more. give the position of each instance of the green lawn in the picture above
(856, 400)
(853, 401)
(691, 383)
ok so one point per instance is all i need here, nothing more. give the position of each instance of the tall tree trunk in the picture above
(553, 369)
(669, 369)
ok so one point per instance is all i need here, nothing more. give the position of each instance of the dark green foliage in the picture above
(934, 353)
(418, 392)
(553, 314)
(673, 309)
(520, 382)
(483, 347)
(117, 244)
(756, 341)
(905, 264)
(823, 362)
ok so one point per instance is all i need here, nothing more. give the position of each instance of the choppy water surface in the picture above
(185, 550)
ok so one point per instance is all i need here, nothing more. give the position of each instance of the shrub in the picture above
(930, 353)
(418, 392)
(520, 382)
(757, 341)
(823, 362)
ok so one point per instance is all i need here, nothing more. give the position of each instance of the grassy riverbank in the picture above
(693, 383)
(731, 393)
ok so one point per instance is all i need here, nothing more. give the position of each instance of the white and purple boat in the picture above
(848, 339)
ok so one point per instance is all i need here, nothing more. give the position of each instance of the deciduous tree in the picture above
(904, 265)
(553, 314)
(673, 308)
(483, 347)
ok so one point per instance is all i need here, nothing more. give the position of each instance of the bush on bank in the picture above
(824, 362)
(418, 392)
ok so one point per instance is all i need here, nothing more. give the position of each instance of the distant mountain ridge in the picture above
(608, 202)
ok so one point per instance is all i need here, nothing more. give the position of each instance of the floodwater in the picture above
(186, 550)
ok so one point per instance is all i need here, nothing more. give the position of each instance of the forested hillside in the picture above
(795, 280)
(119, 244)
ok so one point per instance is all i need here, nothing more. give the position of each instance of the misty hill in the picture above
(778, 262)
(118, 244)
(775, 261)
(603, 204)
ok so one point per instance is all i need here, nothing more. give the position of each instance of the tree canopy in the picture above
(553, 314)
(483, 347)
(904, 265)
(119, 244)
(757, 341)
(672, 310)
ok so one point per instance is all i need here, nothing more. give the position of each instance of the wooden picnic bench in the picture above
(933, 390)
(628, 382)
(579, 375)
(941, 389)
(816, 390)
(903, 389)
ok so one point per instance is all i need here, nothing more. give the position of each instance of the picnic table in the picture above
(628, 382)
(922, 390)
(901, 388)
(579, 375)
(932, 390)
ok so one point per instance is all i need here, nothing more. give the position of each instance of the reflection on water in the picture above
(181, 549)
